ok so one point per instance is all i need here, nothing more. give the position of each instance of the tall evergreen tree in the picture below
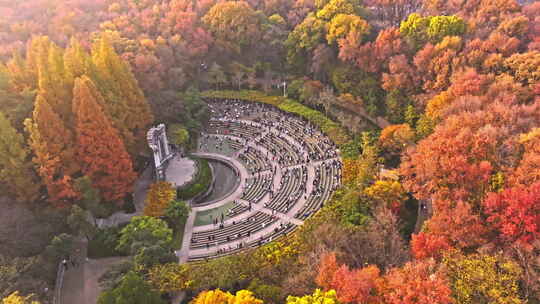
(51, 142)
(16, 170)
(126, 103)
(100, 149)
(52, 81)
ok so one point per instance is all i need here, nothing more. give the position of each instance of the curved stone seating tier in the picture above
(254, 160)
(262, 138)
(231, 232)
(287, 155)
(328, 177)
(220, 145)
(235, 109)
(225, 249)
(257, 187)
(233, 128)
(290, 191)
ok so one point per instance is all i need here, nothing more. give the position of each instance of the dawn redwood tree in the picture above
(124, 100)
(15, 166)
(100, 149)
(52, 144)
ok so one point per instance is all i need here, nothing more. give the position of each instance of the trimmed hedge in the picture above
(336, 133)
(199, 184)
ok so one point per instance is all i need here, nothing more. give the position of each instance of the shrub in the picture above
(104, 242)
(199, 184)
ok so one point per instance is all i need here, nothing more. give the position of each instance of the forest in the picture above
(433, 104)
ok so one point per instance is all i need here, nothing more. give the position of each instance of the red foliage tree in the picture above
(476, 140)
(457, 224)
(515, 213)
(428, 245)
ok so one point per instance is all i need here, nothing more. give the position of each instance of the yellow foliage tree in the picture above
(15, 298)
(318, 297)
(335, 7)
(360, 172)
(343, 25)
(437, 104)
(386, 191)
(170, 277)
(220, 297)
(395, 138)
(160, 195)
(483, 279)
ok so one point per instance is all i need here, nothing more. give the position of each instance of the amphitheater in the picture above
(284, 170)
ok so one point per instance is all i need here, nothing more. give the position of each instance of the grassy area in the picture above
(205, 217)
(199, 184)
(338, 134)
(178, 235)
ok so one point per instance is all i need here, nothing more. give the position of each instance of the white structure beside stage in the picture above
(157, 141)
(169, 166)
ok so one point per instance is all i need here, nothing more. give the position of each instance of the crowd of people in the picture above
(283, 147)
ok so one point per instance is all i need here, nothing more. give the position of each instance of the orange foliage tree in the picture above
(352, 286)
(160, 195)
(51, 142)
(419, 283)
(99, 146)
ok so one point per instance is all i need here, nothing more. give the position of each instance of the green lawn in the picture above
(205, 217)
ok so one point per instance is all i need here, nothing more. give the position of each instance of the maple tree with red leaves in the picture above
(515, 213)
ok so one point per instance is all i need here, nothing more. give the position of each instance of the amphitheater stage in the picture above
(180, 170)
